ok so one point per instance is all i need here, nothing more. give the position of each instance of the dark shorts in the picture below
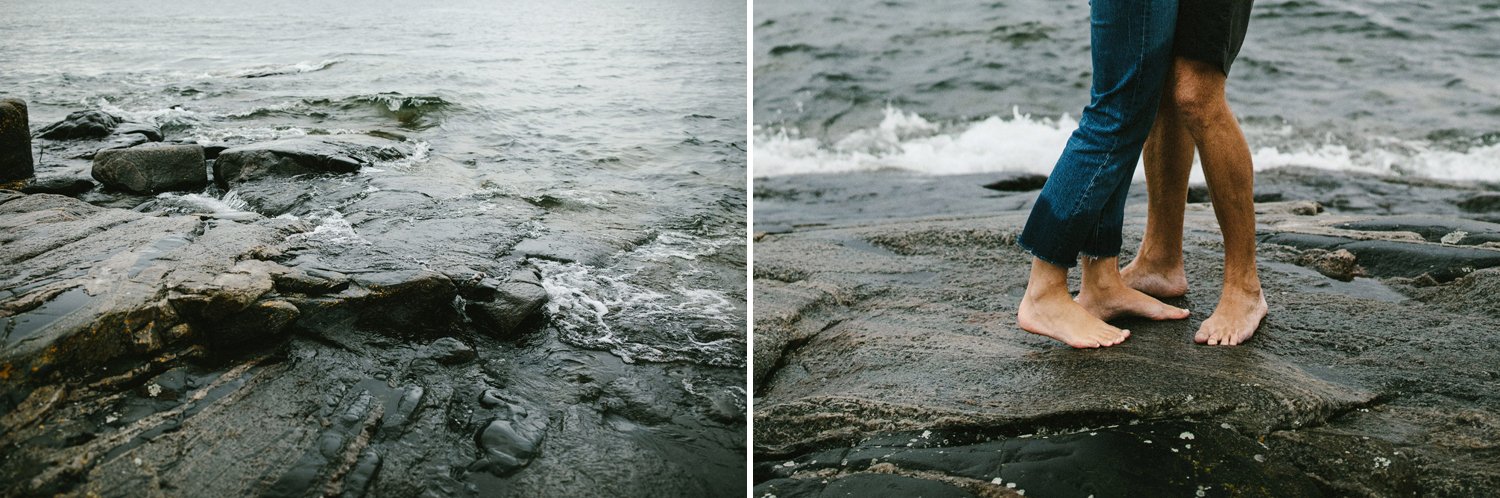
(1211, 31)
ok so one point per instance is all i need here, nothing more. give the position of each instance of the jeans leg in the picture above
(1131, 51)
(1107, 237)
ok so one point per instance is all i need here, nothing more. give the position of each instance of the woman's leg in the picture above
(1131, 52)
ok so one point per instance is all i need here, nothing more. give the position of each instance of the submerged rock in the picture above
(82, 124)
(149, 170)
(300, 156)
(15, 141)
(511, 440)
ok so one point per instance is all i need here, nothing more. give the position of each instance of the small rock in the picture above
(151, 132)
(15, 141)
(1198, 193)
(450, 351)
(149, 170)
(1481, 203)
(1454, 237)
(1339, 265)
(59, 186)
(1269, 196)
(1018, 182)
(81, 124)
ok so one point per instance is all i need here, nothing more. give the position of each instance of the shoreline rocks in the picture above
(885, 330)
(16, 162)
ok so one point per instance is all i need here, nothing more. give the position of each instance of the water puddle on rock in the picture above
(26, 325)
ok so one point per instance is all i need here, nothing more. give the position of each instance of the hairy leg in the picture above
(1106, 295)
(1048, 310)
(1157, 268)
(1199, 96)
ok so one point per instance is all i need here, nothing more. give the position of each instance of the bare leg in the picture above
(1048, 309)
(1198, 93)
(1157, 268)
(1105, 294)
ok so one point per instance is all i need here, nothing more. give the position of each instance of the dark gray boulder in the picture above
(149, 170)
(514, 303)
(15, 141)
(92, 123)
(300, 156)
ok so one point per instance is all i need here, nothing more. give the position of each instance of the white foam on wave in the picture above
(169, 116)
(280, 69)
(1022, 143)
(246, 133)
(421, 152)
(607, 308)
(229, 206)
(330, 229)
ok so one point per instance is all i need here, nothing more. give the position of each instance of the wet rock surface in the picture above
(365, 333)
(888, 360)
(150, 170)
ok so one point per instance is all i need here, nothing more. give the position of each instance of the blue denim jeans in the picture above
(1081, 209)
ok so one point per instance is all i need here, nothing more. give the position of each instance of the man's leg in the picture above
(1197, 93)
(1157, 268)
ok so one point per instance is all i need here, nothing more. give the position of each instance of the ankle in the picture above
(1046, 293)
(1161, 265)
(1249, 288)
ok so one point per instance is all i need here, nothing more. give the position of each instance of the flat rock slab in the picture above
(876, 324)
(300, 156)
(928, 341)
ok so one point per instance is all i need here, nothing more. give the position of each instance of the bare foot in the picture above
(1115, 302)
(1055, 315)
(1235, 319)
(1157, 282)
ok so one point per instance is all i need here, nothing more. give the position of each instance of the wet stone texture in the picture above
(336, 325)
(888, 360)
